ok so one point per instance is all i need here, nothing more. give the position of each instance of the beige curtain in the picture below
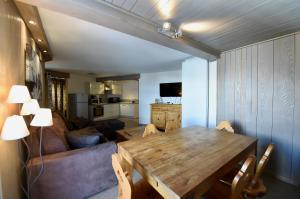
(58, 94)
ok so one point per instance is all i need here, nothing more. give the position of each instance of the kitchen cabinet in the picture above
(116, 89)
(129, 110)
(96, 88)
(111, 110)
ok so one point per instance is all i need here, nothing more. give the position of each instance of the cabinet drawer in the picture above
(174, 117)
(159, 119)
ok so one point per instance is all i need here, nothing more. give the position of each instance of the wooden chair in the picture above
(128, 190)
(150, 129)
(170, 126)
(257, 188)
(225, 125)
(234, 190)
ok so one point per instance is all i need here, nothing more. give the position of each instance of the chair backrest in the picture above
(225, 125)
(262, 163)
(242, 178)
(171, 125)
(125, 188)
(149, 130)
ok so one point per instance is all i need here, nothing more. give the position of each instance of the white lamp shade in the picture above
(18, 94)
(43, 117)
(14, 128)
(30, 107)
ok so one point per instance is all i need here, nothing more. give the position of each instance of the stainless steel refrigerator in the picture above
(78, 105)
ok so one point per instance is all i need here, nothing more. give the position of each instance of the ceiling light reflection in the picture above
(165, 7)
(195, 26)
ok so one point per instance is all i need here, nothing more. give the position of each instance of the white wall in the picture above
(149, 90)
(194, 92)
(130, 89)
(78, 83)
(212, 104)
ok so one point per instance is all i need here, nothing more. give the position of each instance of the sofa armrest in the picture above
(74, 174)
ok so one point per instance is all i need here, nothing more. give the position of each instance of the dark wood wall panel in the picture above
(264, 95)
(283, 105)
(259, 91)
(296, 136)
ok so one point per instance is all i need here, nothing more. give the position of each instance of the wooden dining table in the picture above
(185, 163)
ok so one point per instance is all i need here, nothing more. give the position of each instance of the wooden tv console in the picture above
(161, 113)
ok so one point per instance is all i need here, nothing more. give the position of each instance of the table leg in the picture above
(127, 168)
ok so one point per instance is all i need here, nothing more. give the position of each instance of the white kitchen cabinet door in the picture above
(111, 110)
(127, 110)
(123, 109)
(115, 108)
(116, 89)
(96, 88)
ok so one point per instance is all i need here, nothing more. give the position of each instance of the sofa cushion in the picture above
(81, 141)
(80, 122)
(67, 123)
(61, 128)
(108, 128)
(85, 137)
(33, 141)
(59, 121)
(51, 142)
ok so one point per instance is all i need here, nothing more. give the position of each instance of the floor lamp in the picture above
(18, 94)
(42, 118)
(29, 108)
(15, 128)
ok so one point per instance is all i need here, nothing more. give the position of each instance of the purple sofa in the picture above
(69, 174)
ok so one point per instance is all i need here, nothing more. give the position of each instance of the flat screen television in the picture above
(170, 89)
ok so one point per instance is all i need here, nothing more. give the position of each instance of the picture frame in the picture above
(33, 72)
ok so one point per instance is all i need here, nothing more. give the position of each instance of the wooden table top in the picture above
(187, 160)
(132, 133)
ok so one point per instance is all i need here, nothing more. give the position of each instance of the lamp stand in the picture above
(24, 166)
(41, 158)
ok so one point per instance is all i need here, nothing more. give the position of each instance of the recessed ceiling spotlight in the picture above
(195, 26)
(32, 22)
(168, 30)
(45, 51)
(166, 26)
(39, 40)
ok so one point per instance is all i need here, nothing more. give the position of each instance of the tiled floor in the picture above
(276, 190)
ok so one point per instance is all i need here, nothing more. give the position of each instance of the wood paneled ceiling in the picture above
(223, 24)
(33, 22)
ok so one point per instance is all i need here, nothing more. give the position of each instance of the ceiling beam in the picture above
(31, 18)
(114, 18)
(119, 78)
(57, 74)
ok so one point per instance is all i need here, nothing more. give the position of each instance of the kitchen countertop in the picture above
(129, 103)
(113, 103)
